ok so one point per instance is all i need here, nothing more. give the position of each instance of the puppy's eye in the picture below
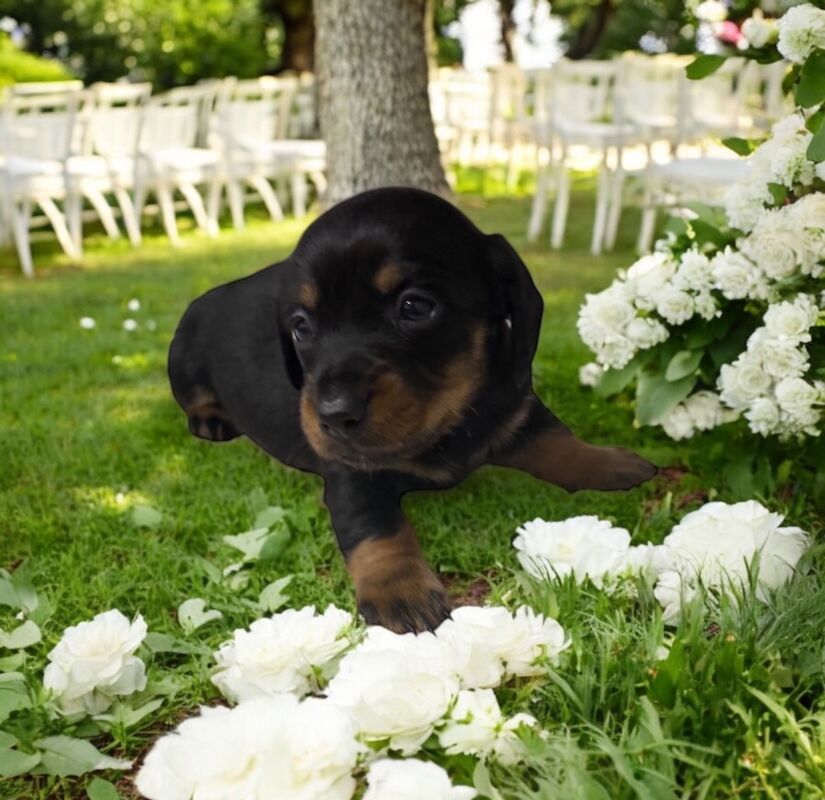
(301, 328)
(415, 308)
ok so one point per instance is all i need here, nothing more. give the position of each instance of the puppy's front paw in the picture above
(406, 598)
(625, 469)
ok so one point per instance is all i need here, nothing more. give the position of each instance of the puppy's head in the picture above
(397, 312)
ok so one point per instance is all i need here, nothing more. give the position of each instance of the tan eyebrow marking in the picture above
(387, 278)
(308, 295)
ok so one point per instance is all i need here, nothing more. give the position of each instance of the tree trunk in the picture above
(371, 65)
(508, 28)
(588, 36)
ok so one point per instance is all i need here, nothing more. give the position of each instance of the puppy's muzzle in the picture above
(342, 412)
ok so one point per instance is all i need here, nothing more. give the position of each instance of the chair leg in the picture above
(320, 181)
(20, 217)
(167, 212)
(213, 204)
(264, 188)
(130, 218)
(539, 208)
(298, 185)
(646, 230)
(74, 216)
(195, 201)
(234, 191)
(58, 222)
(561, 206)
(615, 206)
(602, 201)
(104, 211)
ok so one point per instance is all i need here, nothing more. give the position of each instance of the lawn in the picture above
(89, 431)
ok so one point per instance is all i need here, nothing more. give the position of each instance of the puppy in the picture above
(389, 353)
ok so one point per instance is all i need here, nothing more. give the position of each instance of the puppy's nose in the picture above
(342, 414)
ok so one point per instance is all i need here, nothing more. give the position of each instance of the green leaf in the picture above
(146, 517)
(98, 789)
(164, 643)
(704, 65)
(779, 193)
(684, 363)
(814, 122)
(249, 543)
(269, 516)
(192, 614)
(8, 597)
(127, 717)
(12, 662)
(273, 597)
(66, 756)
(707, 232)
(14, 694)
(655, 396)
(275, 544)
(816, 147)
(810, 90)
(742, 147)
(22, 636)
(614, 380)
(14, 762)
(483, 783)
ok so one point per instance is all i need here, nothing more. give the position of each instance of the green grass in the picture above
(89, 428)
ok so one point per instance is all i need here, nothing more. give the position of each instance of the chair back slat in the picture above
(39, 125)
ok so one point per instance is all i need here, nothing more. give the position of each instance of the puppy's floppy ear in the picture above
(521, 306)
(189, 373)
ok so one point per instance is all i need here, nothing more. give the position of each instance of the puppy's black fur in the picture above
(390, 352)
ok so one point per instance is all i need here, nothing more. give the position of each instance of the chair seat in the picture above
(595, 133)
(288, 149)
(182, 158)
(704, 170)
(23, 167)
(100, 167)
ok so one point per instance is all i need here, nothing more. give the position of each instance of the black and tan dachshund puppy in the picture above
(389, 353)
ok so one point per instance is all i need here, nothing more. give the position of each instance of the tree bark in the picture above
(589, 35)
(371, 66)
(508, 28)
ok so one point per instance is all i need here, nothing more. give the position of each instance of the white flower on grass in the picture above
(590, 374)
(411, 779)
(87, 323)
(677, 423)
(716, 546)
(477, 727)
(264, 748)
(133, 304)
(130, 325)
(95, 661)
(395, 687)
(286, 652)
(801, 30)
(585, 546)
(487, 644)
(760, 31)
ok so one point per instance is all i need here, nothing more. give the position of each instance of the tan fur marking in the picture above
(387, 278)
(308, 295)
(393, 584)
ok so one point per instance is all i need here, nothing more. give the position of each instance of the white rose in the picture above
(646, 333)
(796, 396)
(760, 31)
(411, 779)
(282, 653)
(801, 30)
(715, 547)
(780, 358)
(586, 546)
(763, 416)
(694, 272)
(788, 160)
(616, 352)
(590, 374)
(742, 382)
(735, 275)
(485, 644)
(706, 306)
(745, 201)
(395, 687)
(677, 423)
(267, 747)
(647, 277)
(777, 250)
(610, 309)
(792, 320)
(675, 305)
(477, 727)
(94, 662)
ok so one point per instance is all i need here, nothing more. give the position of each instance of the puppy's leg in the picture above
(546, 449)
(394, 586)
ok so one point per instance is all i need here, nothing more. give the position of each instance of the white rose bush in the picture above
(725, 321)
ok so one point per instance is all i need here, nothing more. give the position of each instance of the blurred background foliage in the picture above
(174, 42)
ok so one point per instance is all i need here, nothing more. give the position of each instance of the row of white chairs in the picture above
(62, 146)
(594, 114)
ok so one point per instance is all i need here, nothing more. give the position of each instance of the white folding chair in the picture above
(583, 113)
(252, 128)
(35, 141)
(108, 160)
(510, 127)
(169, 159)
